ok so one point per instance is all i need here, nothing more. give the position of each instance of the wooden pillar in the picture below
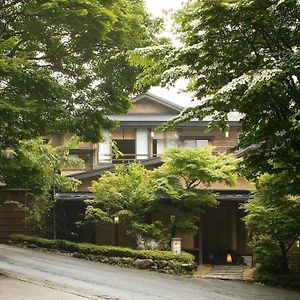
(150, 144)
(116, 234)
(200, 245)
(234, 228)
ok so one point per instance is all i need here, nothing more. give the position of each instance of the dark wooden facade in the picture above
(12, 218)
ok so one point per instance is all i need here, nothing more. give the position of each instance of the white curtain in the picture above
(104, 150)
(142, 144)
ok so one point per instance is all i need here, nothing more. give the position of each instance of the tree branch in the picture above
(15, 48)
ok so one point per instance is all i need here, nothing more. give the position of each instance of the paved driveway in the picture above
(111, 282)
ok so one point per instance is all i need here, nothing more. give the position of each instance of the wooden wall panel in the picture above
(12, 218)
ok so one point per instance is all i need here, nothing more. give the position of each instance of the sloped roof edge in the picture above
(110, 168)
(159, 100)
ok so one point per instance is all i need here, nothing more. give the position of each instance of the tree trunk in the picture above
(284, 262)
(54, 212)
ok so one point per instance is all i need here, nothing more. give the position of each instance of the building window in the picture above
(158, 147)
(142, 144)
(85, 155)
(124, 139)
(195, 143)
(171, 139)
(127, 147)
(104, 150)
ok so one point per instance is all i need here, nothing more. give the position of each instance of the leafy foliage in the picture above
(273, 220)
(157, 204)
(244, 56)
(182, 185)
(37, 167)
(109, 251)
(128, 195)
(63, 65)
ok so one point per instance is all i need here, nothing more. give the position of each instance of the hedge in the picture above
(107, 251)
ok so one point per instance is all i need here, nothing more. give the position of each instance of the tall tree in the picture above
(244, 56)
(182, 185)
(273, 220)
(63, 65)
(158, 204)
(127, 194)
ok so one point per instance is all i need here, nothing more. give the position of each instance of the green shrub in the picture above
(106, 251)
(286, 280)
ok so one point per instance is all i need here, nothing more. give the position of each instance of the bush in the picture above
(106, 251)
(268, 255)
(291, 280)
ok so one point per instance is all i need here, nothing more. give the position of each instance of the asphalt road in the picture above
(101, 281)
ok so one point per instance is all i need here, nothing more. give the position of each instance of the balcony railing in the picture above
(130, 157)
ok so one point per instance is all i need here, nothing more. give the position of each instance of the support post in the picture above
(234, 258)
(116, 234)
(54, 212)
(116, 222)
(200, 245)
(234, 229)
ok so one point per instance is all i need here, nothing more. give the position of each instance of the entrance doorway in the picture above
(220, 235)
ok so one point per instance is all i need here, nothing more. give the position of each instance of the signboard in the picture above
(176, 245)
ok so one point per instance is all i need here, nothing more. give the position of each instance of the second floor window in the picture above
(86, 156)
(195, 143)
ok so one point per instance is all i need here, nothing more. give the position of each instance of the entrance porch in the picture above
(222, 237)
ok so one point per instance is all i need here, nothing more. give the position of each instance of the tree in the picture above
(37, 167)
(273, 220)
(244, 56)
(126, 194)
(157, 204)
(64, 67)
(182, 185)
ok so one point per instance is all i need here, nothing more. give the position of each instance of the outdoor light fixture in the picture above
(229, 258)
(116, 219)
(227, 134)
(152, 134)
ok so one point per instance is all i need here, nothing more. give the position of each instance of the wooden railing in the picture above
(129, 157)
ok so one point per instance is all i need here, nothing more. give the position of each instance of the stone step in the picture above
(226, 272)
(229, 267)
(224, 277)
